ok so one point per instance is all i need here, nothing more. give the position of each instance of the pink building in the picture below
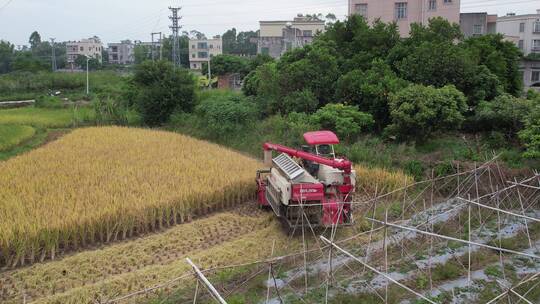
(405, 12)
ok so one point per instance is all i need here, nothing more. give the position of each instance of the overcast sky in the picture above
(115, 20)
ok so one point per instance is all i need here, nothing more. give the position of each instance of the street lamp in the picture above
(87, 75)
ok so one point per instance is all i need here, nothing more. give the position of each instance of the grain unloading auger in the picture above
(312, 179)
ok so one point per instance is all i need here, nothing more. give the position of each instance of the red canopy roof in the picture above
(321, 138)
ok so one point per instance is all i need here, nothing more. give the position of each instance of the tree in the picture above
(93, 63)
(300, 101)
(505, 113)
(370, 90)
(141, 53)
(35, 40)
(313, 67)
(417, 111)
(197, 35)
(226, 64)
(27, 62)
(501, 57)
(6, 56)
(239, 43)
(359, 43)
(530, 135)
(263, 83)
(347, 121)
(158, 89)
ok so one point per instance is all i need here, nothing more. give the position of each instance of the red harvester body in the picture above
(311, 181)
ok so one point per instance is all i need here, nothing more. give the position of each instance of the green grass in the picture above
(37, 140)
(44, 118)
(13, 135)
(23, 86)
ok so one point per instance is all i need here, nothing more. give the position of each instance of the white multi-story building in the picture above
(121, 53)
(91, 47)
(524, 31)
(277, 37)
(202, 50)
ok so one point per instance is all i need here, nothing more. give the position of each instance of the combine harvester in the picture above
(313, 182)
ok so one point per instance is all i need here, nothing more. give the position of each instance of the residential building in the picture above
(202, 50)
(406, 12)
(524, 32)
(477, 24)
(531, 74)
(91, 47)
(277, 37)
(121, 53)
(524, 29)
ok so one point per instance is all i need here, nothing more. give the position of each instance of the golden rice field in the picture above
(98, 185)
(371, 180)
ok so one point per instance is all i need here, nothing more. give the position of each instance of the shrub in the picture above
(505, 113)
(300, 101)
(158, 89)
(530, 135)
(415, 169)
(346, 121)
(418, 111)
(226, 114)
(50, 102)
(110, 111)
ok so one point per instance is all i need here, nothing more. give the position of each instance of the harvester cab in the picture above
(310, 181)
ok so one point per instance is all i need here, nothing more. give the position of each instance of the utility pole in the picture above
(53, 55)
(158, 43)
(175, 32)
(209, 74)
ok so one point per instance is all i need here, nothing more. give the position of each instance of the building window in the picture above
(361, 9)
(535, 76)
(401, 10)
(307, 33)
(211, 46)
(203, 55)
(202, 45)
(521, 44)
(536, 45)
(432, 5)
(193, 55)
(193, 46)
(536, 27)
(265, 51)
(477, 29)
(447, 1)
(522, 27)
(82, 48)
(288, 46)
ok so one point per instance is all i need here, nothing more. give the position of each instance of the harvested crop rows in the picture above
(98, 185)
(237, 236)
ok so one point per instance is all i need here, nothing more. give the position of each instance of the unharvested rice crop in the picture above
(98, 185)
(371, 180)
(12, 135)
